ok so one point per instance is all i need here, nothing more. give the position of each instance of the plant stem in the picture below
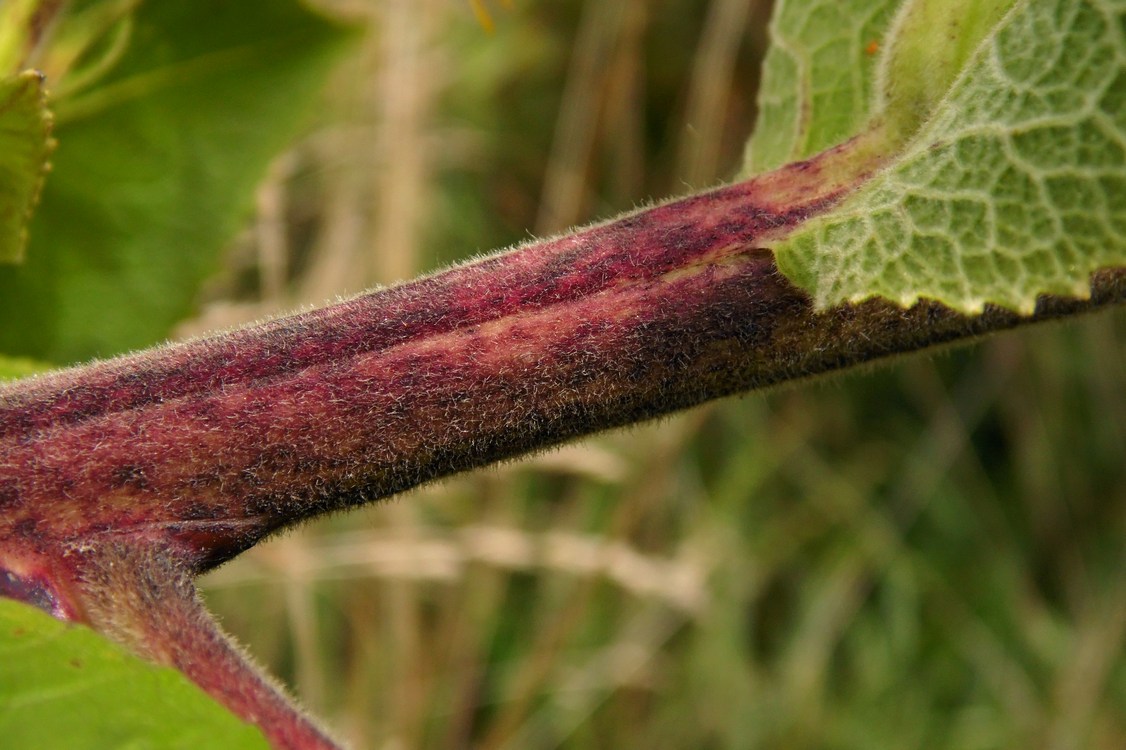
(206, 447)
(148, 601)
(120, 479)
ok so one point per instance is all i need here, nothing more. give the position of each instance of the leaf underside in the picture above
(1014, 187)
(818, 78)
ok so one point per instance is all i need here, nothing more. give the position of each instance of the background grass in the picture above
(926, 555)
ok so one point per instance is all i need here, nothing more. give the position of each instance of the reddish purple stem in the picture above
(206, 447)
(191, 453)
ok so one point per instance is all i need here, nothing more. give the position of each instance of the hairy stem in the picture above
(201, 449)
(148, 602)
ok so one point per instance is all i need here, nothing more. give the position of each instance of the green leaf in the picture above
(1014, 187)
(25, 144)
(155, 170)
(20, 367)
(818, 77)
(64, 686)
(929, 45)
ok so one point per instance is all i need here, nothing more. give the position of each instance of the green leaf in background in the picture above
(155, 169)
(65, 686)
(1015, 186)
(818, 77)
(25, 144)
(12, 368)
